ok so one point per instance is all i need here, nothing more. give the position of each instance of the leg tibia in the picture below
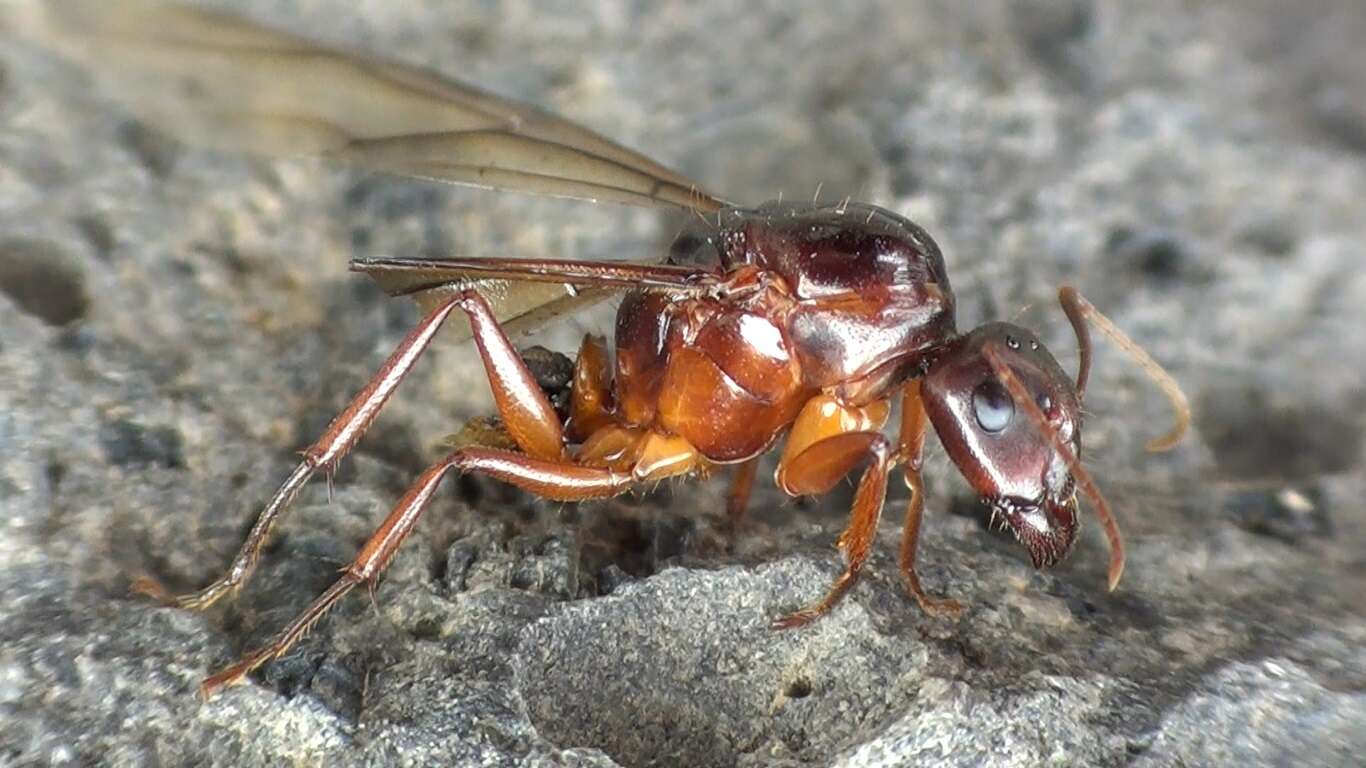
(553, 480)
(910, 449)
(341, 435)
(836, 455)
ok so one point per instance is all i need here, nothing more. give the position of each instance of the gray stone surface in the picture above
(173, 324)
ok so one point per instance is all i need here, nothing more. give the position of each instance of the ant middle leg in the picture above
(654, 457)
(558, 480)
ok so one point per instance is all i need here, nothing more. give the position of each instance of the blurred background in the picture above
(175, 323)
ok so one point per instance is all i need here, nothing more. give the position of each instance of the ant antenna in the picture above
(1083, 478)
(1068, 297)
(1078, 311)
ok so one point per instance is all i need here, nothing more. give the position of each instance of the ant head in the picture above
(1005, 449)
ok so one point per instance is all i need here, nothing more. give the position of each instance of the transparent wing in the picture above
(211, 79)
(528, 293)
(520, 307)
(218, 81)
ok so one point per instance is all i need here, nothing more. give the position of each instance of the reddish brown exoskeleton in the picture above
(791, 324)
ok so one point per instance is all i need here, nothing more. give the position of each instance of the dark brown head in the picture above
(1007, 456)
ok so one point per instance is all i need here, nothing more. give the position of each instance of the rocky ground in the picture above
(174, 324)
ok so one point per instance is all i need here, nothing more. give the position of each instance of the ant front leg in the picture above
(827, 441)
(910, 450)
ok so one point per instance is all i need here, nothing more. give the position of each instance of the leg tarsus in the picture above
(910, 539)
(148, 586)
(814, 611)
(857, 539)
(236, 672)
(245, 562)
(936, 607)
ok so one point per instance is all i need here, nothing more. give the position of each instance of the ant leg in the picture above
(526, 412)
(816, 470)
(323, 454)
(911, 450)
(590, 396)
(910, 538)
(556, 480)
(737, 499)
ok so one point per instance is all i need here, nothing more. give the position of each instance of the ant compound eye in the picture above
(992, 406)
(1034, 345)
(1012, 342)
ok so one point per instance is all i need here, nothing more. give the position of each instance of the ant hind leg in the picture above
(341, 435)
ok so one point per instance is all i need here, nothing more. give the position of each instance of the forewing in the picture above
(528, 293)
(520, 307)
(211, 79)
